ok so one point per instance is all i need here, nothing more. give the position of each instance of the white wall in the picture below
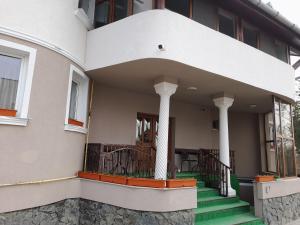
(188, 42)
(50, 21)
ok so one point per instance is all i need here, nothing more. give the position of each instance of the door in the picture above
(147, 136)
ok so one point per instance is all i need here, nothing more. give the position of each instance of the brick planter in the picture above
(113, 179)
(177, 183)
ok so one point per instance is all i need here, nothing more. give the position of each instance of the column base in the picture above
(231, 192)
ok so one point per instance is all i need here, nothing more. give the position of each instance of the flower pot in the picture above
(8, 112)
(177, 183)
(75, 122)
(146, 182)
(88, 175)
(113, 179)
(264, 178)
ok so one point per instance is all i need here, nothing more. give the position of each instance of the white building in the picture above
(192, 85)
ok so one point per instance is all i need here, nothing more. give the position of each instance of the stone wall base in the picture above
(281, 210)
(85, 212)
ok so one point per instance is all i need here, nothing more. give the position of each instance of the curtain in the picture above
(8, 93)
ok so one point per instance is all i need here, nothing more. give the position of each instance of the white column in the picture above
(165, 90)
(223, 103)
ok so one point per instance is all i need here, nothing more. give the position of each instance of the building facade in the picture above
(188, 86)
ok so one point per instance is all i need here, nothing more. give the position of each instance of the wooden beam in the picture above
(297, 64)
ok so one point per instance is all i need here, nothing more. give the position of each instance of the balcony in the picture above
(187, 45)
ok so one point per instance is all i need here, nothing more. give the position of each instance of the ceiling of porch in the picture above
(139, 76)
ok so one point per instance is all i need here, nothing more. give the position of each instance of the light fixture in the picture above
(192, 88)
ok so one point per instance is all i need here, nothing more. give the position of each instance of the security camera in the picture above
(161, 47)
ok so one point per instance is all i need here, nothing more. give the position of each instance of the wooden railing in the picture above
(213, 172)
(127, 160)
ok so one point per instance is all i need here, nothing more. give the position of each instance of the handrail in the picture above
(213, 172)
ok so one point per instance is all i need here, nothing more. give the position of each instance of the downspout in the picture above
(88, 125)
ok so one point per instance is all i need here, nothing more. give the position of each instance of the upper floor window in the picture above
(227, 23)
(107, 11)
(16, 72)
(76, 110)
(250, 35)
(182, 7)
(281, 51)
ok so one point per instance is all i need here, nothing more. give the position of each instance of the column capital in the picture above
(165, 88)
(223, 102)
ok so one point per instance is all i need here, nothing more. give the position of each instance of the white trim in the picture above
(28, 56)
(84, 19)
(70, 127)
(35, 40)
(82, 102)
(15, 121)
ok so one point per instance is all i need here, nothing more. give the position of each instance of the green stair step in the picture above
(219, 211)
(200, 184)
(187, 175)
(215, 200)
(207, 192)
(245, 219)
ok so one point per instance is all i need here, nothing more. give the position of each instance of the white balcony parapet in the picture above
(188, 42)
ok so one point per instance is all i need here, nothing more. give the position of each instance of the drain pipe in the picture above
(88, 125)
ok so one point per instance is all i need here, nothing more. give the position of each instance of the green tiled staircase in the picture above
(213, 209)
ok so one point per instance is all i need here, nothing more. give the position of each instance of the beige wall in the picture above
(42, 150)
(114, 117)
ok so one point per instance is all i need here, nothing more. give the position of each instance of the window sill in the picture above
(84, 19)
(15, 121)
(70, 127)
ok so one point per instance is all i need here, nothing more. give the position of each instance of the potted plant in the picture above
(8, 112)
(113, 179)
(75, 122)
(89, 175)
(146, 182)
(264, 178)
(177, 183)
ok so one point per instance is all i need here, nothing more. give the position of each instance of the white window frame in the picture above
(82, 80)
(28, 56)
(87, 19)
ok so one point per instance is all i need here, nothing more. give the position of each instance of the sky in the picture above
(290, 9)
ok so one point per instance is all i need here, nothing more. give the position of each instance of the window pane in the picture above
(277, 118)
(279, 157)
(182, 7)
(281, 51)
(286, 120)
(250, 37)
(9, 75)
(121, 8)
(227, 25)
(102, 14)
(288, 146)
(142, 5)
(73, 100)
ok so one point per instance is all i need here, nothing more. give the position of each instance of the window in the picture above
(108, 11)
(85, 12)
(10, 68)
(142, 5)
(76, 111)
(250, 35)
(102, 12)
(227, 23)
(16, 72)
(281, 51)
(182, 7)
(284, 136)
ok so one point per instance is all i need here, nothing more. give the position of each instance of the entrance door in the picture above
(147, 136)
